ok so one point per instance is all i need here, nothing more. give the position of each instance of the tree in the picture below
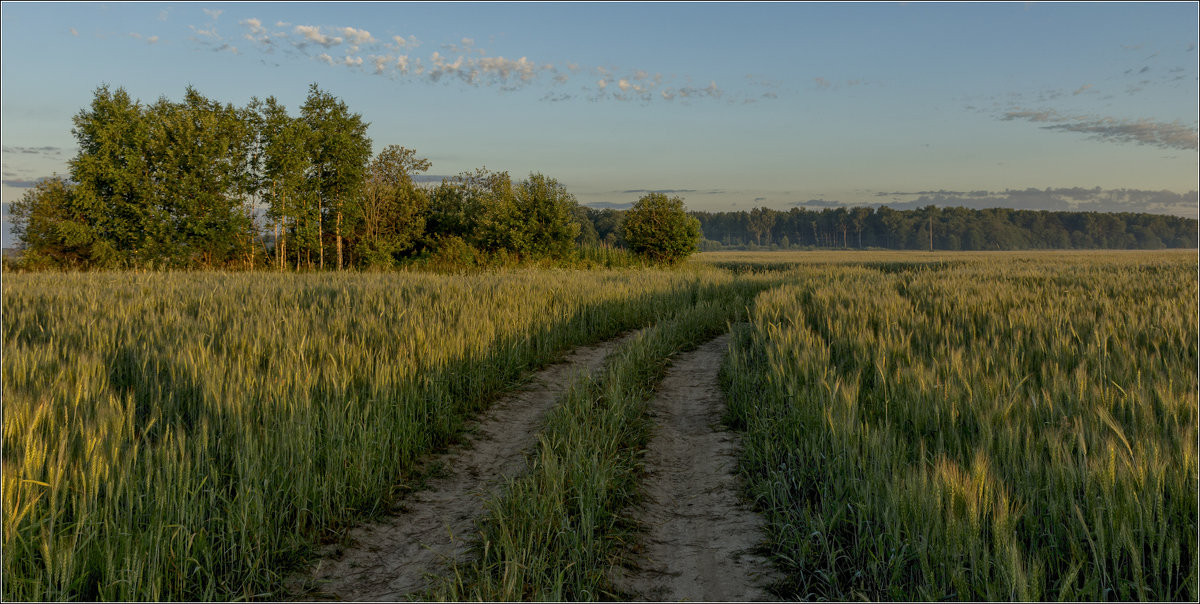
(56, 227)
(391, 215)
(545, 211)
(284, 143)
(198, 166)
(658, 228)
(338, 150)
(759, 222)
(112, 174)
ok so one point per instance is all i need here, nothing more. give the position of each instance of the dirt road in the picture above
(699, 535)
(389, 561)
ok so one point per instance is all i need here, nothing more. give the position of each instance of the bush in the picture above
(659, 229)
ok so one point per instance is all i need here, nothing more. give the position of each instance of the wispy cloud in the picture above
(312, 35)
(33, 150)
(463, 62)
(1171, 135)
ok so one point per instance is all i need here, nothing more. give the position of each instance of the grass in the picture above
(917, 426)
(190, 436)
(557, 530)
(996, 428)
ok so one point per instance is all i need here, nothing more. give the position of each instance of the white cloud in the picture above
(213, 14)
(357, 36)
(162, 15)
(256, 26)
(381, 64)
(313, 34)
(152, 39)
(352, 61)
(601, 84)
(207, 33)
(325, 57)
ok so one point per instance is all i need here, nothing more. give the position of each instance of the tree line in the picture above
(953, 228)
(198, 183)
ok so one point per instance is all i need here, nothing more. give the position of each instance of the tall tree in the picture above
(391, 216)
(112, 172)
(200, 151)
(338, 150)
(284, 142)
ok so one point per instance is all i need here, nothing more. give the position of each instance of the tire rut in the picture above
(699, 537)
(392, 560)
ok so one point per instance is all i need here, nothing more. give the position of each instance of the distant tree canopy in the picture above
(953, 229)
(197, 183)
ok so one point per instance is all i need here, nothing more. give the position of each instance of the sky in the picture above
(1058, 106)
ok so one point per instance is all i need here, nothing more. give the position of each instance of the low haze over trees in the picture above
(198, 183)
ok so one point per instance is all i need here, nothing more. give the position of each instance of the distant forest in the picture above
(954, 228)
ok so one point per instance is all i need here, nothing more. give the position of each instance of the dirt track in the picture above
(389, 561)
(699, 534)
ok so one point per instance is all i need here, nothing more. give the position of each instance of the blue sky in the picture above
(732, 106)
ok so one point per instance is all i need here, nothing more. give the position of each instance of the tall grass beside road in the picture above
(1019, 428)
(557, 530)
(185, 436)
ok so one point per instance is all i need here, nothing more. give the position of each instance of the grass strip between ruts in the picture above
(555, 531)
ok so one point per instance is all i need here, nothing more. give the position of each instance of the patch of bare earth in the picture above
(391, 560)
(700, 537)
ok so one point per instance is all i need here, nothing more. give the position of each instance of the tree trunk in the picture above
(320, 234)
(338, 230)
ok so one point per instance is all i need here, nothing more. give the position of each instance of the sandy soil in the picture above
(389, 561)
(699, 535)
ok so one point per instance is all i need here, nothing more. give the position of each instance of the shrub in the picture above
(659, 229)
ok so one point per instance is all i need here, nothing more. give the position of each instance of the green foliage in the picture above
(659, 228)
(390, 216)
(52, 219)
(547, 214)
(197, 157)
(283, 144)
(459, 204)
(338, 150)
(112, 172)
(450, 253)
(533, 220)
